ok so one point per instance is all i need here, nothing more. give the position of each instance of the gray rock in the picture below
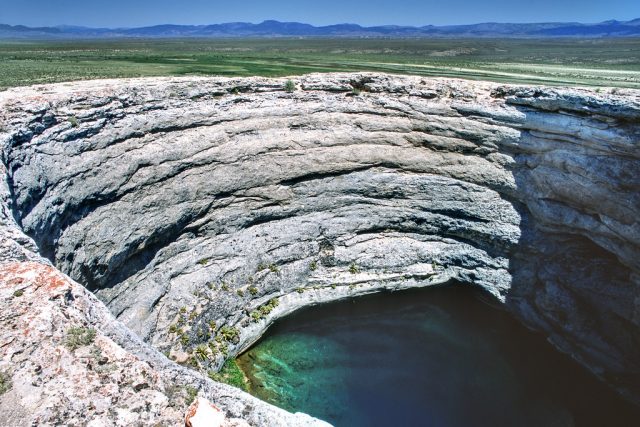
(110, 379)
(179, 202)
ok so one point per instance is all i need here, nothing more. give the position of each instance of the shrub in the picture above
(240, 292)
(230, 374)
(255, 315)
(18, 293)
(353, 268)
(73, 120)
(289, 86)
(253, 290)
(5, 382)
(192, 393)
(79, 337)
(213, 347)
(300, 290)
(313, 266)
(202, 352)
(264, 310)
(204, 334)
(224, 349)
(193, 362)
(229, 333)
(273, 268)
(184, 340)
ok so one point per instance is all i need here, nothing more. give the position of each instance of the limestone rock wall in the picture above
(187, 202)
(110, 377)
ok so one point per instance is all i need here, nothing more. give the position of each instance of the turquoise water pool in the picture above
(432, 357)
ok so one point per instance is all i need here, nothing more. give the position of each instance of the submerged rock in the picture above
(201, 209)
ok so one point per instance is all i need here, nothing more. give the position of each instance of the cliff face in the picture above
(66, 361)
(186, 202)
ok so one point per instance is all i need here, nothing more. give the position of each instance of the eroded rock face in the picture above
(187, 202)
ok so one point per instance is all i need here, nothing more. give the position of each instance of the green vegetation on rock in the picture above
(202, 352)
(273, 268)
(204, 261)
(184, 340)
(289, 86)
(264, 310)
(5, 382)
(191, 393)
(224, 349)
(353, 268)
(79, 337)
(230, 374)
(229, 333)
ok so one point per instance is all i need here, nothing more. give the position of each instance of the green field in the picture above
(597, 62)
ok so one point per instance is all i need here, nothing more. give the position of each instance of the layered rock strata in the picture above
(199, 210)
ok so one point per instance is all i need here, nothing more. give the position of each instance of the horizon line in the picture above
(318, 26)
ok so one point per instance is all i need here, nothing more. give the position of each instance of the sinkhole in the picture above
(442, 356)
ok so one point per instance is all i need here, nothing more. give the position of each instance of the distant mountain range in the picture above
(296, 29)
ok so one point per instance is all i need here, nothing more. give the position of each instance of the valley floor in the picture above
(595, 62)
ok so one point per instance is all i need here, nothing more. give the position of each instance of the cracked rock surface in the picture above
(199, 210)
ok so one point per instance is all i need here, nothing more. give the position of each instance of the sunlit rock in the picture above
(199, 213)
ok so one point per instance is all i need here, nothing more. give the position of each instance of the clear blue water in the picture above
(433, 357)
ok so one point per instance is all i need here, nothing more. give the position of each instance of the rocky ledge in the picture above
(199, 210)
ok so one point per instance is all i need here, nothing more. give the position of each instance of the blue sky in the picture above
(129, 13)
